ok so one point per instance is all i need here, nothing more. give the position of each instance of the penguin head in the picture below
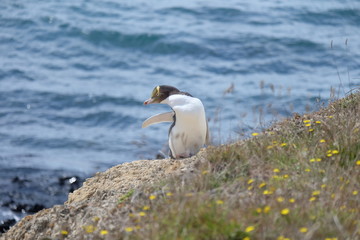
(160, 93)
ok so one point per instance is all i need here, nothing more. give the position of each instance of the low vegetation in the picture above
(298, 180)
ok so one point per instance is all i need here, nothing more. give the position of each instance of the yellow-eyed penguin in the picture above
(189, 129)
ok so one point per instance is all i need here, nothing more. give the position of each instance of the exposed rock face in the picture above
(98, 196)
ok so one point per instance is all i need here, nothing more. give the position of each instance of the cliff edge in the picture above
(99, 194)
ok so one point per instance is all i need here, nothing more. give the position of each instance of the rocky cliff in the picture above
(99, 196)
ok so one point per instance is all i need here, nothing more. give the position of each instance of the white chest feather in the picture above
(188, 134)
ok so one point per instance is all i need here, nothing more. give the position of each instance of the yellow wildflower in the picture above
(250, 181)
(249, 229)
(311, 130)
(333, 195)
(152, 197)
(322, 140)
(355, 192)
(323, 186)
(141, 214)
(89, 228)
(315, 193)
(334, 151)
(318, 159)
(312, 160)
(64, 232)
(104, 232)
(258, 210)
(270, 147)
(169, 194)
(308, 124)
(255, 134)
(205, 172)
(267, 209)
(312, 199)
(303, 230)
(307, 170)
(285, 211)
(329, 154)
(146, 207)
(246, 238)
(358, 162)
(318, 122)
(283, 144)
(321, 171)
(95, 219)
(292, 200)
(280, 199)
(330, 116)
(261, 185)
(219, 202)
(276, 170)
(129, 229)
(250, 187)
(306, 121)
(286, 176)
(267, 192)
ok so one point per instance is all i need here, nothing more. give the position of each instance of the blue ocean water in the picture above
(74, 74)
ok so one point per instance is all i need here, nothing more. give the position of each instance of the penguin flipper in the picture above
(158, 118)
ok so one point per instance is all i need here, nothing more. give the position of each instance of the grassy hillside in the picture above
(298, 180)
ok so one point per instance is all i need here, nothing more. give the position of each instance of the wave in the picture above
(60, 101)
(12, 22)
(94, 119)
(331, 17)
(217, 14)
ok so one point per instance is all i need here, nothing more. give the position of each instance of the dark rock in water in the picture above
(23, 207)
(19, 180)
(26, 191)
(5, 225)
(73, 182)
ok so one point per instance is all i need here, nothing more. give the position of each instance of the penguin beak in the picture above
(149, 101)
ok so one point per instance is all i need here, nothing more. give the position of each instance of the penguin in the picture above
(189, 129)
